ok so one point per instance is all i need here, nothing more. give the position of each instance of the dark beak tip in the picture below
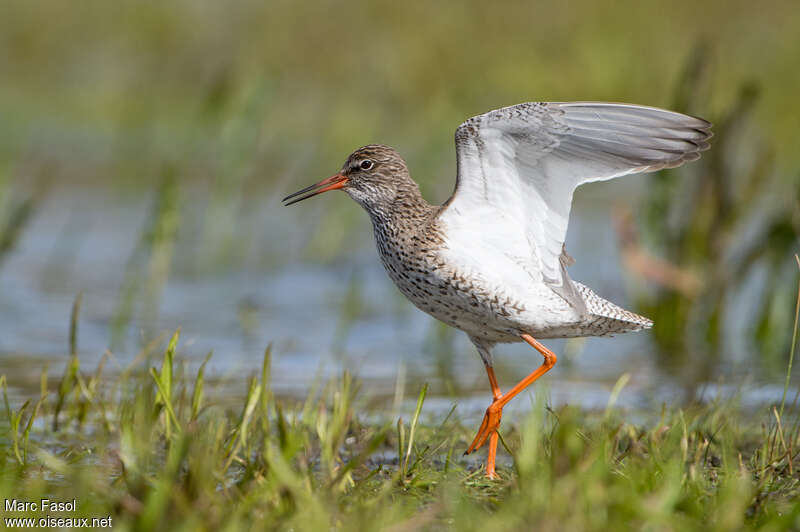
(287, 201)
(317, 188)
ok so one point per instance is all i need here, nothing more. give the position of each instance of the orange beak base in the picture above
(334, 182)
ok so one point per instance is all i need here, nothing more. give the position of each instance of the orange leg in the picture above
(490, 472)
(491, 420)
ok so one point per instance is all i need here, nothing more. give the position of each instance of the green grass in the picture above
(155, 449)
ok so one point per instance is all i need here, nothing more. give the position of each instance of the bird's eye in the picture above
(366, 164)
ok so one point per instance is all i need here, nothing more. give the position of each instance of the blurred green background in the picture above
(252, 91)
(180, 124)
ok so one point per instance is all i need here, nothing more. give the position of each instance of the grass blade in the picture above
(197, 394)
(794, 343)
(413, 429)
(165, 401)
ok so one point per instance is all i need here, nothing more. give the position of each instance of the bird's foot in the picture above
(489, 426)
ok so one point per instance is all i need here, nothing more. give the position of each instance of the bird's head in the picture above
(373, 175)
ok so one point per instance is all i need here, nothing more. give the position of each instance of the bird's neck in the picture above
(408, 214)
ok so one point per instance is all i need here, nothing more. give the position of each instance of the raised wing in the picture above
(521, 164)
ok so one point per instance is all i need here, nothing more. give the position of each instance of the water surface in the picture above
(320, 317)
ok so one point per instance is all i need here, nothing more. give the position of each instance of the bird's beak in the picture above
(334, 182)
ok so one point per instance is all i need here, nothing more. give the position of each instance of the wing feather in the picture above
(522, 164)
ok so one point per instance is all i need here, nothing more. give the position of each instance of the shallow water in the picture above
(320, 318)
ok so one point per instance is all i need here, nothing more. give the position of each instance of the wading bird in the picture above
(491, 260)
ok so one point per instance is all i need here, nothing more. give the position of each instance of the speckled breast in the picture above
(449, 296)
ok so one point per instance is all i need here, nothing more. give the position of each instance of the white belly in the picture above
(496, 303)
